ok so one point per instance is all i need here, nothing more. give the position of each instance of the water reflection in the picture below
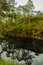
(38, 60)
(20, 55)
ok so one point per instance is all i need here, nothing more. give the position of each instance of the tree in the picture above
(6, 7)
(26, 9)
(6, 4)
(39, 13)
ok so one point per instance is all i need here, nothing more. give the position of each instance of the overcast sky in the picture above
(37, 3)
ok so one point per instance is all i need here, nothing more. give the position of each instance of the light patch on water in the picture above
(4, 56)
(38, 60)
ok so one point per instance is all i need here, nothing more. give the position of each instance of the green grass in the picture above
(2, 62)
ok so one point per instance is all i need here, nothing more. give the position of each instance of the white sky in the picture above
(37, 3)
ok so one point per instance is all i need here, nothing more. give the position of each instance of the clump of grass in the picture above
(3, 62)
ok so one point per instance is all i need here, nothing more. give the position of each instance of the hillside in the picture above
(25, 27)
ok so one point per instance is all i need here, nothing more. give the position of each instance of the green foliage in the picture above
(24, 26)
(31, 26)
(26, 9)
(3, 62)
(13, 22)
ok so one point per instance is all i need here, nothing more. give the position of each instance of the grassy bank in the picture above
(2, 62)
